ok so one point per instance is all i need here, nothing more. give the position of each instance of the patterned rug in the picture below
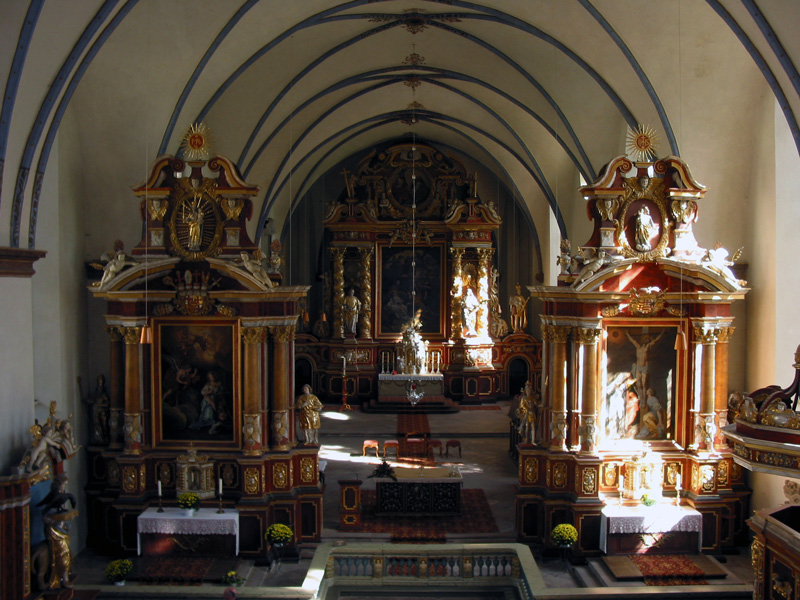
(414, 424)
(476, 517)
(669, 569)
(172, 570)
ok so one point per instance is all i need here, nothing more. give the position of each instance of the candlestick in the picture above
(160, 508)
(220, 511)
(159, 488)
(621, 488)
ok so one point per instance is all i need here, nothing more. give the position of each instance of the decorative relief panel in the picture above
(589, 481)
(531, 470)
(251, 480)
(723, 474)
(142, 477)
(559, 475)
(129, 479)
(308, 471)
(280, 475)
(707, 473)
(610, 475)
(113, 473)
(164, 473)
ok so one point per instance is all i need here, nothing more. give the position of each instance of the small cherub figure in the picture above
(253, 265)
(592, 265)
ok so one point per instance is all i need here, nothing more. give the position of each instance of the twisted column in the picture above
(337, 254)
(365, 318)
(455, 295)
(484, 257)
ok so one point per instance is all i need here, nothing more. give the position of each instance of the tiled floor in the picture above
(484, 463)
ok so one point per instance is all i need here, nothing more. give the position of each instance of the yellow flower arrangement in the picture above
(232, 578)
(188, 500)
(278, 533)
(118, 570)
(564, 535)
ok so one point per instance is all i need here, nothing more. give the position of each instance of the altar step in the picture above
(428, 405)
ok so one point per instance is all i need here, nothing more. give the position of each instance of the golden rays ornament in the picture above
(196, 143)
(642, 143)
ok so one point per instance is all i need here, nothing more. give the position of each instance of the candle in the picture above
(220, 486)
(621, 483)
(678, 481)
(159, 488)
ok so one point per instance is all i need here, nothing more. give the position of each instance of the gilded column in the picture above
(721, 388)
(337, 254)
(132, 428)
(455, 295)
(705, 428)
(116, 381)
(558, 424)
(365, 318)
(547, 366)
(484, 258)
(282, 421)
(252, 338)
(588, 338)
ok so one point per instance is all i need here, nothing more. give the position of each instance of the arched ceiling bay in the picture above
(541, 92)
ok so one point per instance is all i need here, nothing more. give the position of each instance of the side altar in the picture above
(635, 360)
(201, 384)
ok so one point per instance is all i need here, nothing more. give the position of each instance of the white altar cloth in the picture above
(206, 521)
(661, 518)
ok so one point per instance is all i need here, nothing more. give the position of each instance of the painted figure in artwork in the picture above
(309, 407)
(639, 369)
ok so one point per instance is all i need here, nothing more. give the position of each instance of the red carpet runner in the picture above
(668, 569)
(476, 517)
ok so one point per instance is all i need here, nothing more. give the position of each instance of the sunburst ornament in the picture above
(196, 144)
(642, 143)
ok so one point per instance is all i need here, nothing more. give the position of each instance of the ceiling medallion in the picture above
(414, 59)
(641, 143)
(196, 143)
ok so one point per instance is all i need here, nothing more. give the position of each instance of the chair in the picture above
(431, 444)
(370, 444)
(452, 444)
(415, 446)
(391, 444)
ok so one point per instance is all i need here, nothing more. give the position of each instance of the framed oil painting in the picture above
(195, 383)
(396, 286)
(640, 390)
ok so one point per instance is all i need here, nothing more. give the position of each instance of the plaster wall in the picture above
(16, 369)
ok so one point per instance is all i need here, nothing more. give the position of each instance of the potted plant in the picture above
(117, 571)
(564, 535)
(647, 500)
(189, 502)
(279, 534)
(383, 470)
(232, 578)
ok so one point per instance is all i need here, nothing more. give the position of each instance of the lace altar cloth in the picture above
(661, 518)
(205, 521)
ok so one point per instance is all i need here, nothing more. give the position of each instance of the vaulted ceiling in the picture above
(539, 92)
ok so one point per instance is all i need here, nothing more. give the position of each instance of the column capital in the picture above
(282, 333)
(560, 333)
(587, 335)
(132, 335)
(457, 253)
(725, 334)
(253, 335)
(705, 335)
(114, 333)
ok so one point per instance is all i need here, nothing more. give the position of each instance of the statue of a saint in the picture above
(309, 406)
(519, 314)
(194, 220)
(469, 312)
(645, 229)
(351, 306)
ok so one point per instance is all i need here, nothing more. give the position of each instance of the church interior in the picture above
(399, 295)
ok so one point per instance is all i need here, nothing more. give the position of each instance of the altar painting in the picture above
(396, 287)
(639, 396)
(196, 395)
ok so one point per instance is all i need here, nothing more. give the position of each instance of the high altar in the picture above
(201, 342)
(410, 301)
(635, 371)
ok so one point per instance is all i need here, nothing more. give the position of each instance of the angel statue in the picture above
(253, 265)
(116, 262)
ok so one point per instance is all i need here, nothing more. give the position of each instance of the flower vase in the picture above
(189, 512)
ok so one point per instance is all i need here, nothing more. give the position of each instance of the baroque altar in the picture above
(641, 318)
(201, 338)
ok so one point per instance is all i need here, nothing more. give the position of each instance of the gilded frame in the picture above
(196, 395)
(640, 358)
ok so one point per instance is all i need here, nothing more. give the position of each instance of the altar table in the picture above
(173, 532)
(420, 492)
(658, 529)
